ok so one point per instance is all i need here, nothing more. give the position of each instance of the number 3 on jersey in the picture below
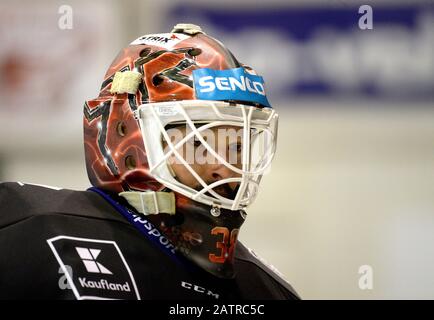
(226, 246)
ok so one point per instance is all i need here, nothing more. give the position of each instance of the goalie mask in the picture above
(172, 108)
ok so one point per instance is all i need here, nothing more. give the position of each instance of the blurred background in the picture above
(353, 180)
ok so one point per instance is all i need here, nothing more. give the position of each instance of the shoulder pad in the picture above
(19, 201)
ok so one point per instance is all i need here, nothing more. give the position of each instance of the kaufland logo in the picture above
(104, 284)
(88, 256)
(94, 268)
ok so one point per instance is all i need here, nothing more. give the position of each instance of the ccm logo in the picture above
(209, 83)
(199, 289)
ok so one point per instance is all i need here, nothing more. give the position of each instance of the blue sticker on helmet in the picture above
(230, 84)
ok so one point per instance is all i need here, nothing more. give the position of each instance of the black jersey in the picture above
(65, 244)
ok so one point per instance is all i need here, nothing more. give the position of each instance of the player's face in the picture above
(226, 141)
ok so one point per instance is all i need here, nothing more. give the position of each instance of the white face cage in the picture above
(259, 134)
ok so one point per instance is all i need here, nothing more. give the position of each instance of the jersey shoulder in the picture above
(20, 201)
(247, 256)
